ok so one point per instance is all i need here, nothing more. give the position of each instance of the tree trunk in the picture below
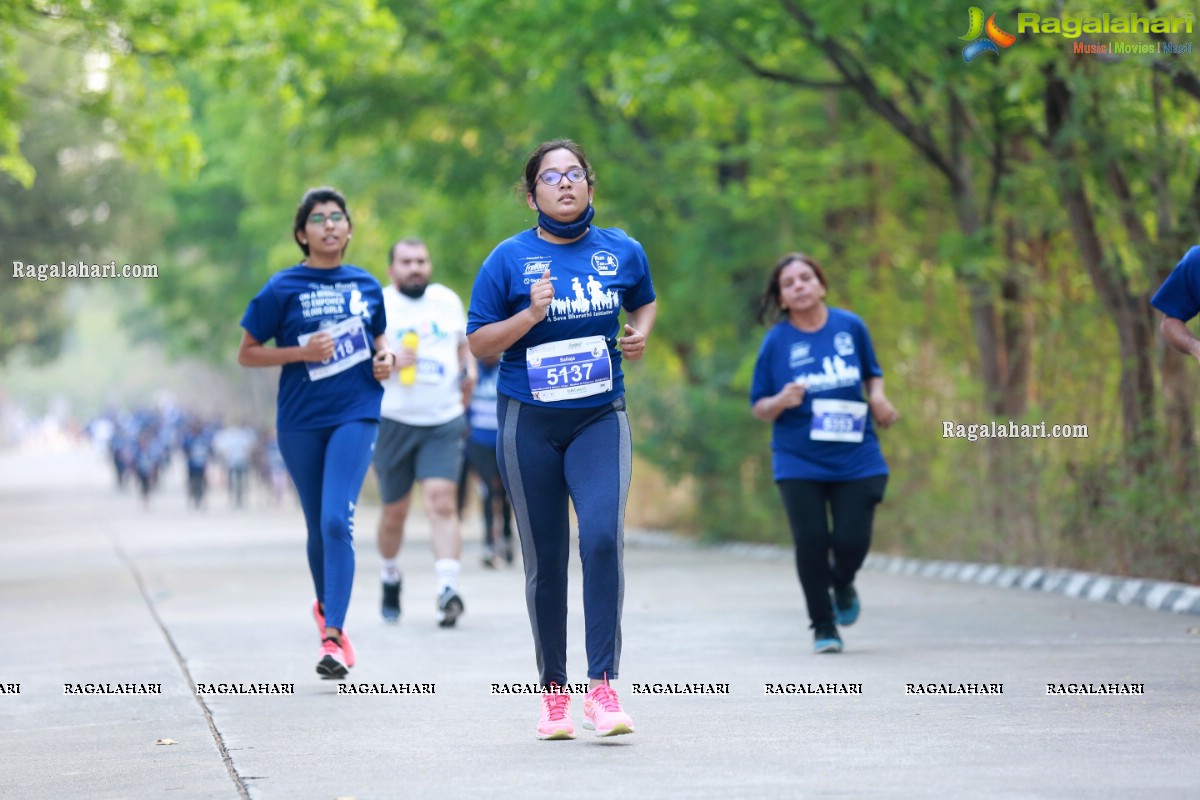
(1129, 311)
(1017, 324)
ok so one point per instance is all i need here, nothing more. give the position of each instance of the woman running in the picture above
(550, 299)
(328, 323)
(809, 379)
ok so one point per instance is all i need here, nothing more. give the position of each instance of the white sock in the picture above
(391, 570)
(447, 570)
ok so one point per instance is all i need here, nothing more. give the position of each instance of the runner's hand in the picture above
(884, 412)
(382, 364)
(319, 348)
(791, 396)
(540, 295)
(632, 344)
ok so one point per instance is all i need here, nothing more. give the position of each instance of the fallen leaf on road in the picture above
(1193, 630)
(166, 741)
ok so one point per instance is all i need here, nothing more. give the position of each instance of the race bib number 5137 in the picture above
(568, 369)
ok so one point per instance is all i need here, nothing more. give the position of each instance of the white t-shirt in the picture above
(440, 322)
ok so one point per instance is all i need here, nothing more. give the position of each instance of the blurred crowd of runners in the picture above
(144, 443)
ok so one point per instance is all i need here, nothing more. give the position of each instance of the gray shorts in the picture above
(405, 454)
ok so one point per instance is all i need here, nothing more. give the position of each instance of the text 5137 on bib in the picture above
(569, 369)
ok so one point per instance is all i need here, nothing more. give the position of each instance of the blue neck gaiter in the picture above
(567, 230)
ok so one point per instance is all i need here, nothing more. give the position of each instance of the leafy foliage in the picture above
(942, 197)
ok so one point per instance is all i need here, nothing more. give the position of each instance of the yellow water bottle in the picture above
(409, 341)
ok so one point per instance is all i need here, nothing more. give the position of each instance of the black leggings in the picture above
(809, 505)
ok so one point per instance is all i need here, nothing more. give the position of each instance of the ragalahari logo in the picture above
(984, 44)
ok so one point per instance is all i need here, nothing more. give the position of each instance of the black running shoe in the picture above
(826, 639)
(450, 608)
(845, 604)
(390, 607)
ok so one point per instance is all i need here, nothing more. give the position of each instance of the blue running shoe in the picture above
(845, 604)
(826, 640)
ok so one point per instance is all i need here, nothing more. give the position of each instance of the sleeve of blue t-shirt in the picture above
(264, 314)
(379, 319)
(1179, 296)
(489, 298)
(867, 349)
(762, 384)
(643, 292)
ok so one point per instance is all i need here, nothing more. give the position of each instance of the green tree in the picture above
(85, 205)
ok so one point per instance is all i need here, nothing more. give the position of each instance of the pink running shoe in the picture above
(347, 648)
(603, 714)
(333, 660)
(556, 717)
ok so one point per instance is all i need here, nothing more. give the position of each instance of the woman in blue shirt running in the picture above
(328, 323)
(808, 381)
(550, 300)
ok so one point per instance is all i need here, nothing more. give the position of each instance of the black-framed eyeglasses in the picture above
(319, 219)
(553, 177)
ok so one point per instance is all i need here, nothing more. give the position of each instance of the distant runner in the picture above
(809, 379)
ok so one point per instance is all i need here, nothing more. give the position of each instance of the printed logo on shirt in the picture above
(605, 263)
(534, 269)
(428, 330)
(590, 300)
(800, 355)
(834, 375)
(844, 344)
(333, 303)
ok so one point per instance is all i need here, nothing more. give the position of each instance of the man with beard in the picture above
(420, 434)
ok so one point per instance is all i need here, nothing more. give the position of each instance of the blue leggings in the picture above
(547, 456)
(328, 466)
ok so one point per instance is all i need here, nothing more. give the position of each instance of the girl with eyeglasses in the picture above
(812, 368)
(550, 299)
(327, 320)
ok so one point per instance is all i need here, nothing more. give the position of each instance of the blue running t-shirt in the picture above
(302, 300)
(834, 363)
(594, 278)
(1179, 296)
(482, 423)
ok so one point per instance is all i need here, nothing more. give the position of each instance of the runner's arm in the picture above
(384, 360)
(881, 408)
(1176, 332)
(496, 337)
(466, 368)
(639, 323)
(252, 353)
(768, 409)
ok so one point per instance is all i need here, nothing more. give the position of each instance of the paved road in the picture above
(97, 590)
